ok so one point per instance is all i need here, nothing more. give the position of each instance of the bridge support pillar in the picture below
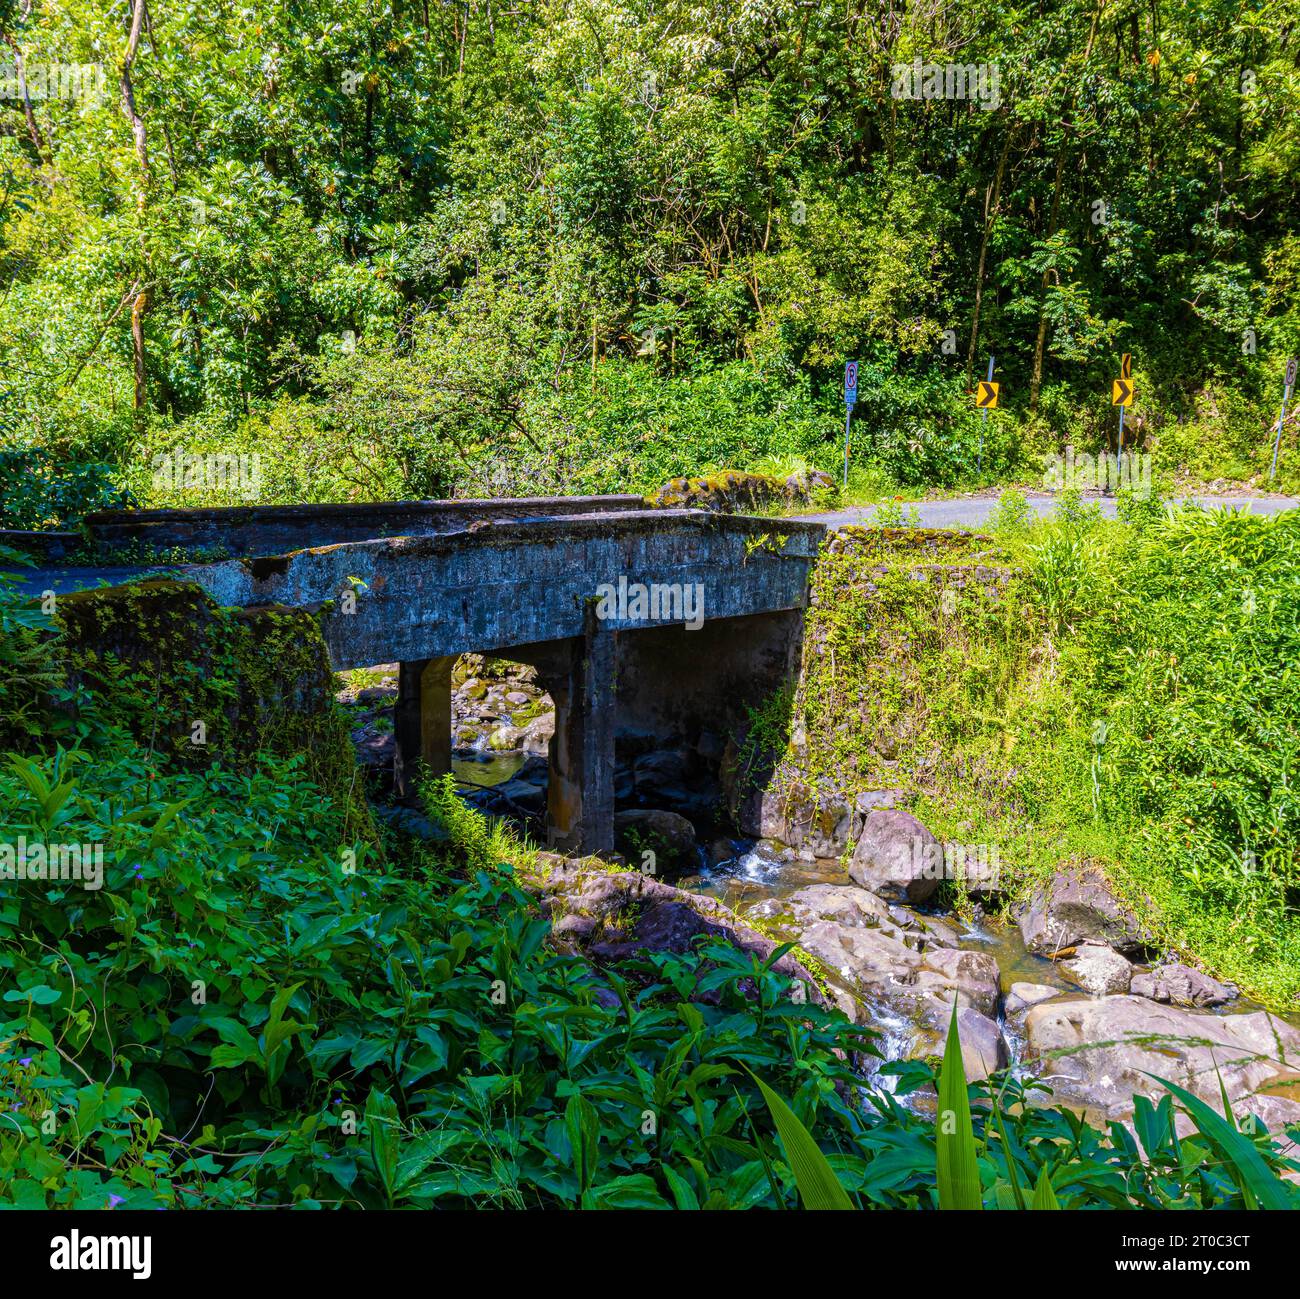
(422, 721)
(580, 798)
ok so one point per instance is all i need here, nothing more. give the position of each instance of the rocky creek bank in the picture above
(1070, 990)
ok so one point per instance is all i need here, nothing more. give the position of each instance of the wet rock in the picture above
(721, 850)
(505, 739)
(973, 976)
(1022, 997)
(895, 857)
(941, 933)
(1078, 906)
(844, 904)
(1098, 970)
(1182, 986)
(377, 695)
(529, 799)
(869, 960)
(1100, 1051)
(537, 734)
(670, 836)
(517, 697)
(983, 1048)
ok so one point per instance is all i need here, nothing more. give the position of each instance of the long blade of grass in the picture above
(1008, 1153)
(956, 1167)
(819, 1188)
(1239, 1150)
(1044, 1196)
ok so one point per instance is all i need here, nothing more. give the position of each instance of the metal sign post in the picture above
(1125, 373)
(984, 419)
(1121, 395)
(1291, 366)
(850, 400)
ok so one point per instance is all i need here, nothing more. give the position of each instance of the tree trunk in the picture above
(20, 70)
(128, 90)
(995, 195)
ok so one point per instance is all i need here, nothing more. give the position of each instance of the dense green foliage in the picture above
(407, 249)
(1129, 695)
(256, 1009)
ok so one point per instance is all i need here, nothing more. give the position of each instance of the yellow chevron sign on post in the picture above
(1121, 392)
(986, 395)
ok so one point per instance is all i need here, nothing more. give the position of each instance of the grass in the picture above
(1125, 694)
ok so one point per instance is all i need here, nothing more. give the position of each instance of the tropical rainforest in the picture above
(427, 249)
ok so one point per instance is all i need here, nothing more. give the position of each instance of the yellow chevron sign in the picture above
(986, 395)
(1121, 392)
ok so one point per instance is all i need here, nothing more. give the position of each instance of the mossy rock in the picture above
(732, 491)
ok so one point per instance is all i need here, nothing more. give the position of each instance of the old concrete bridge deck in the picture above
(423, 582)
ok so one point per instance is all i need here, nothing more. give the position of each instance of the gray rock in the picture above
(667, 834)
(516, 697)
(973, 975)
(1098, 970)
(537, 734)
(505, 739)
(1022, 997)
(816, 821)
(761, 815)
(983, 1048)
(1078, 906)
(872, 800)
(1100, 1051)
(897, 857)
(841, 904)
(530, 799)
(1182, 986)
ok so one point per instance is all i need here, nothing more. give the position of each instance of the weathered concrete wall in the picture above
(266, 529)
(507, 584)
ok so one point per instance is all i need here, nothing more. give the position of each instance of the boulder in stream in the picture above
(897, 858)
(1182, 986)
(1099, 1051)
(1098, 970)
(1079, 906)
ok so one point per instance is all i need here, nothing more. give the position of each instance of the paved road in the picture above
(957, 512)
(974, 511)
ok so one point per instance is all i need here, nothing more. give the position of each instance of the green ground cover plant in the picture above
(255, 1008)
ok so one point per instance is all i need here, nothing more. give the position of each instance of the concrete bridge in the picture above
(668, 622)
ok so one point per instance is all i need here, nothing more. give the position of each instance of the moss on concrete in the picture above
(200, 684)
